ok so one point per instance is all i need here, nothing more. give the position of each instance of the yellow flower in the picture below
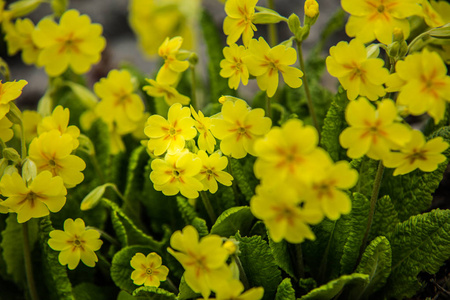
(357, 73)
(234, 290)
(6, 133)
(211, 171)
(44, 193)
(373, 132)
(289, 152)
(118, 102)
(74, 43)
(149, 270)
(239, 128)
(30, 119)
(170, 71)
(311, 8)
(284, 214)
(9, 91)
(75, 243)
(417, 153)
(436, 13)
(265, 63)
(376, 19)
(177, 173)
(423, 84)
(206, 140)
(59, 120)
(239, 20)
(204, 262)
(19, 37)
(170, 94)
(232, 67)
(170, 135)
(52, 151)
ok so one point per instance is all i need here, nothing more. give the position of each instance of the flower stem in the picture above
(28, 263)
(172, 286)
(273, 37)
(97, 168)
(242, 275)
(208, 206)
(373, 202)
(193, 88)
(312, 112)
(299, 260)
(268, 107)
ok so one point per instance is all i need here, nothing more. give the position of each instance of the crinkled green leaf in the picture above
(285, 291)
(367, 169)
(259, 264)
(154, 293)
(282, 256)
(375, 262)
(334, 287)
(187, 211)
(243, 175)
(357, 227)
(201, 226)
(385, 218)
(306, 285)
(420, 244)
(233, 220)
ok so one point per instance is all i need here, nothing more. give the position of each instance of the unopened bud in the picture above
(11, 154)
(295, 26)
(397, 35)
(311, 11)
(14, 114)
(94, 197)
(29, 170)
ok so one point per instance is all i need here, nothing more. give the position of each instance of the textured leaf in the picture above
(154, 293)
(259, 264)
(99, 135)
(233, 220)
(367, 169)
(285, 291)
(358, 224)
(201, 226)
(334, 287)
(385, 218)
(420, 244)
(282, 256)
(187, 211)
(136, 175)
(243, 175)
(375, 262)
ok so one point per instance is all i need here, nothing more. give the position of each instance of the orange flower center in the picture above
(380, 8)
(416, 155)
(148, 271)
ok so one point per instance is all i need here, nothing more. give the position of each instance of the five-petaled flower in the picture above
(239, 20)
(148, 270)
(232, 67)
(170, 71)
(9, 91)
(212, 171)
(206, 140)
(170, 94)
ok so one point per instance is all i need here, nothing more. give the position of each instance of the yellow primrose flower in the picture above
(60, 120)
(290, 158)
(75, 243)
(376, 19)
(357, 73)
(170, 135)
(265, 63)
(284, 214)
(170, 71)
(417, 153)
(177, 173)
(148, 270)
(435, 13)
(234, 290)
(204, 262)
(30, 119)
(206, 140)
(373, 132)
(52, 151)
(239, 128)
(115, 140)
(6, 133)
(45, 193)
(170, 94)
(118, 102)
(232, 67)
(239, 20)
(74, 43)
(423, 84)
(19, 37)
(9, 91)
(327, 183)
(211, 171)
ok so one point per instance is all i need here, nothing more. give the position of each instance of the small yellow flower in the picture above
(311, 8)
(45, 193)
(234, 290)
(239, 128)
(357, 73)
(170, 71)
(74, 43)
(19, 37)
(9, 91)
(170, 94)
(30, 119)
(206, 140)
(149, 270)
(435, 13)
(417, 153)
(373, 132)
(171, 134)
(232, 67)
(6, 133)
(75, 243)
(239, 20)
(212, 171)
(265, 63)
(204, 262)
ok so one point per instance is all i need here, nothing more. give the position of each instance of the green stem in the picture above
(299, 258)
(373, 202)
(208, 206)
(97, 168)
(273, 37)
(28, 263)
(242, 275)
(105, 235)
(172, 286)
(22, 141)
(193, 89)
(312, 112)
(268, 107)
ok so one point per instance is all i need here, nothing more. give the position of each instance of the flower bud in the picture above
(14, 114)
(23, 7)
(11, 154)
(93, 198)
(295, 26)
(29, 170)
(59, 7)
(311, 11)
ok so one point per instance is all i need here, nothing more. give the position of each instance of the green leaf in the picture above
(442, 32)
(420, 244)
(187, 211)
(99, 135)
(154, 293)
(201, 226)
(233, 220)
(334, 287)
(367, 169)
(259, 264)
(357, 227)
(285, 291)
(282, 256)
(243, 175)
(385, 218)
(90, 291)
(375, 262)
